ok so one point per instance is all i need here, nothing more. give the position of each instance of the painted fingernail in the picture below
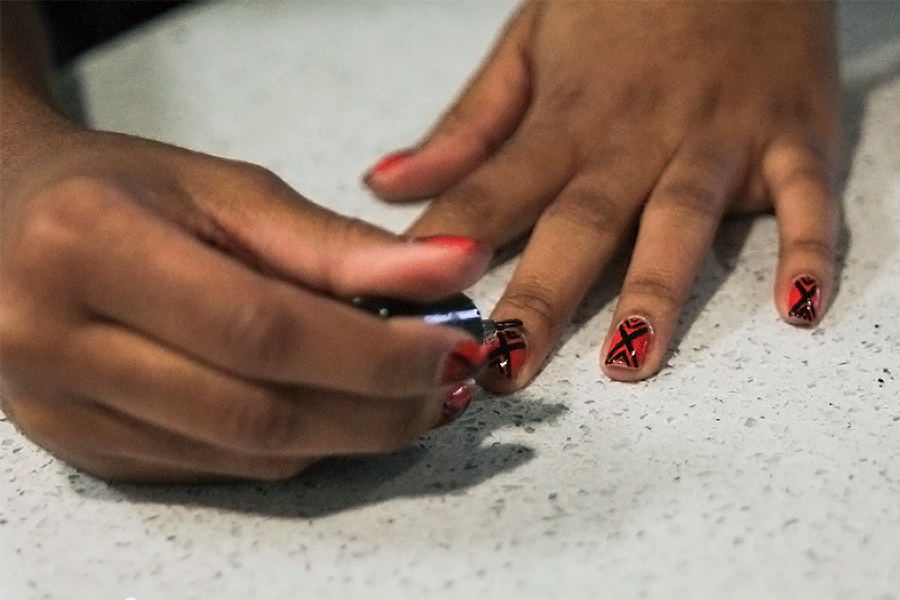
(455, 403)
(463, 363)
(630, 344)
(507, 348)
(463, 243)
(804, 299)
(387, 163)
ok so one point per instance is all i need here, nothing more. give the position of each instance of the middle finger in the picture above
(502, 199)
(570, 244)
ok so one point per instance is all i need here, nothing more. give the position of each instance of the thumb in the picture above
(267, 223)
(483, 117)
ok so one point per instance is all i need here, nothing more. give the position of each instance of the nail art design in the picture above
(507, 348)
(455, 403)
(630, 344)
(463, 363)
(804, 299)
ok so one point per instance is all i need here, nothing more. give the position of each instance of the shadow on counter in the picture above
(445, 462)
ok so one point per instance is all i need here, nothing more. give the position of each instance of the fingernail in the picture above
(507, 349)
(463, 243)
(804, 299)
(455, 403)
(463, 363)
(387, 163)
(630, 344)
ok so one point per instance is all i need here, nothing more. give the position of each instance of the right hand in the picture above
(172, 316)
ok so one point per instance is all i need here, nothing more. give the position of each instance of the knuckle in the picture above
(791, 109)
(396, 374)
(63, 215)
(347, 231)
(32, 357)
(261, 179)
(571, 96)
(588, 209)
(804, 175)
(652, 285)
(816, 247)
(641, 98)
(469, 201)
(78, 202)
(262, 336)
(692, 196)
(533, 298)
(259, 425)
(709, 156)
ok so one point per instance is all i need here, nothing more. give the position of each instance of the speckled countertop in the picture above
(763, 462)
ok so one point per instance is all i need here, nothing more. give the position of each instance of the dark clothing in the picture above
(73, 26)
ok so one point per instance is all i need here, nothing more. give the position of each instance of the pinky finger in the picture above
(800, 180)
(124, 449)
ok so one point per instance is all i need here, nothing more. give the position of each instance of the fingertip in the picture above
(455, 402)
(625, 375)
(381, 178)
(499, 385)
(417, 174)
(420, 270)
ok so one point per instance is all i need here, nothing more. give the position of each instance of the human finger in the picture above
(119, 447)
(566, 251)
(675, 231)
(255, 215)
(503, 198)
(171, 287)
(800, 181)
(483, 117)
(150, 383)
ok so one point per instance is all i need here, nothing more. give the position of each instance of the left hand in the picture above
(589, 118)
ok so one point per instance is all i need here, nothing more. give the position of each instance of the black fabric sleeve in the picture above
(73, 26)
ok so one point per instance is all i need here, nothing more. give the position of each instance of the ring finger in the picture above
(150, 384)
(676, 229)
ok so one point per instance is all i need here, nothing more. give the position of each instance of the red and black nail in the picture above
(630, 344)
(455, 403)
(507, 348)
(463, 363)
(804, 299)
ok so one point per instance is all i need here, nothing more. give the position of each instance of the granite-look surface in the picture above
(762, 462)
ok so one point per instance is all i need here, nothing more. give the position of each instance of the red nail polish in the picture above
(463, 243)
(507, 349)
(389, 162)
(630, 343)
(804, 299)
(463, 363)
(455, 403)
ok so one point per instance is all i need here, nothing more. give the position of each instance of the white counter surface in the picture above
(762, 462)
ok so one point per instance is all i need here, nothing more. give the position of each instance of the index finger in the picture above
(173, 288)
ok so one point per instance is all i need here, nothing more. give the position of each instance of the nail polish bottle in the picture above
(456, 311)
